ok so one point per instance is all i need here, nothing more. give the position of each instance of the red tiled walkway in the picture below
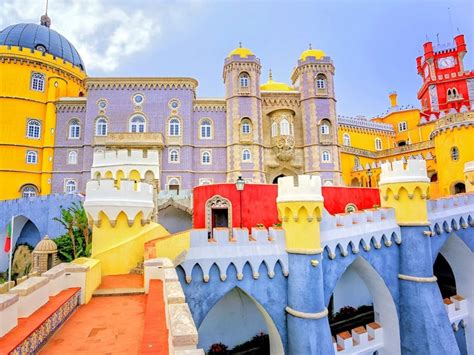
(106, 325)
(27, 325)
(122, 281)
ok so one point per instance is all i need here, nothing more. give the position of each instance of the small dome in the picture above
(46, 245)
(271, 85)
(316, 53)
(42, 38)
(241, 52)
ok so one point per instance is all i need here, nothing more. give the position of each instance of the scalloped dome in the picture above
(241, 52)
(317, 53)
(39, 37)
(271, 85)
(46, 245)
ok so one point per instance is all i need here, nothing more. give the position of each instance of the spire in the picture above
(270, 76)
(240, 44)
(45, 20)
(310, 46)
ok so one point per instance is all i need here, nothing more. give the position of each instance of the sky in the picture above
(373, 43)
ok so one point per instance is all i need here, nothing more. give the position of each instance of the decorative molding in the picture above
(209, 105)
(215, 202)
(141, 83)
(417, 278)
(305, 315)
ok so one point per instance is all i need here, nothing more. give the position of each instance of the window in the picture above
(37, 81)
(70, 186)
(206, 157)
(244, 80)
(31, 157)
(205, 181)
(74, 129)
(326, 156)
(173, 184)
(138, 99)
(455, 153)
(101, 127)
(402, 126)
(246, 126)
(173, 156)
(137, 124)
(284, 127)
(325, 128)
(321, 82)
(246, 155)
(378, 144)
(174, 127)
(33, 129)
(206, 126)
(356, 162)
(72, 157)
(346, 139)
(274, 129)
(29, 191)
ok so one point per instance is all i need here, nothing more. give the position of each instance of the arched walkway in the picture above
(461, 260)
(237, 310)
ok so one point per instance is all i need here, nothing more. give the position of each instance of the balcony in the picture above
(131, 140)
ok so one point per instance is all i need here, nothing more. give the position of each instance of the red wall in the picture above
(259, 202)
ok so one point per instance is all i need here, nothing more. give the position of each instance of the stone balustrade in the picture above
(350, 231)
(361, 340)
(456, 307)
(263, 246)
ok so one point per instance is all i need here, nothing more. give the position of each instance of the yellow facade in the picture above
(19, 104)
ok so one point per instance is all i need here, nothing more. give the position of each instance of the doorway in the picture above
(459, 188)
(220, 217)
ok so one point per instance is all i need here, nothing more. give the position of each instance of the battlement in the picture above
(451, 213)
(126, 161)
(361, 340)
(130, 198)
(398, 172)
(307, 188)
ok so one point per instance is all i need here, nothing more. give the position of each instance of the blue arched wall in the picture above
(29, 235)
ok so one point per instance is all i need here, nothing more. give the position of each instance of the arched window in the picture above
(274, 129)
(37, 81)
(32, 157)
(356, 162)
(29, 191)
(321, 82)
(246, 156)
(402, 126)
(455, 153)
(173, 184)
(284, 127)
(325, 128)
(291, 128)
(246, 126)
(346, 139)
(206, 129)
(137, 124)
(174, 127)
(33, 129)
(101, 128)
(173, 156)
(378, 144)
(326, 156)
(206, 157)
(74, 129)
(244, 80)
(72, 157)
(70, 186)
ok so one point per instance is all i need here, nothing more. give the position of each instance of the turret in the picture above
(469, 175)
(300, 208)
(406, 189)
(460, 45)
(393, 99)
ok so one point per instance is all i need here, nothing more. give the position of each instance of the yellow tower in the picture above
(406, 189)
(300, 208)
(469, 176)
(37, 67)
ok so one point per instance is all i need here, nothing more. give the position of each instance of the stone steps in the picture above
(118, 292)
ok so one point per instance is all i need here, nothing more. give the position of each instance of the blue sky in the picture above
(372, 43)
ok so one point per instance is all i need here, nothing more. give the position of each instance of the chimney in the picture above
(393, 99)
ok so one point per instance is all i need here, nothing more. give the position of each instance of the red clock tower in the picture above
(446, 84)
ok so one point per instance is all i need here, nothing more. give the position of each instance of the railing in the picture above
(454, 118)
(129, 139)
(388, 152)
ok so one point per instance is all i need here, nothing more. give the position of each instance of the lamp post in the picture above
(369, 174)
(239, 185)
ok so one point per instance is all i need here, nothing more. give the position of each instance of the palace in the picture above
(55, 117)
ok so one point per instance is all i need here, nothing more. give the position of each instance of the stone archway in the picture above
(238, 310)
(217, 202)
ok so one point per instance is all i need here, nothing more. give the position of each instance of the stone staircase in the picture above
(137, 270)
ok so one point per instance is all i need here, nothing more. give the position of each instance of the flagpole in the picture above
(10, 254)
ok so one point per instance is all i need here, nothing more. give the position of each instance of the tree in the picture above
(67, 221)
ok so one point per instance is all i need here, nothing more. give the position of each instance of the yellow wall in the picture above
(18, 103)
(93, 275)
(173, 245)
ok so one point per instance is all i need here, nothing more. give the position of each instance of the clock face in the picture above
(446, 62)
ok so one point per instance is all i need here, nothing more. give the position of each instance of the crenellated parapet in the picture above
(469, 176)
(104, 197)
(122, 162)
(236, 251)
(300, 207)
(405, 187)
(351, 232)
(452, 213)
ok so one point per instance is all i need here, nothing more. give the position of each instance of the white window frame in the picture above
(246, 126)
(205, 181)
(169, 179)
(246, 157)
(324, 154)
(74, 129)
(346, 139)
(170, 156)
(71, 153)
(244, 80)
(284, 127)
(137, 124)
(29, 191)
(31, 157)
(378, 144)
(37, 82)
(321, 80)
(205, 129)
(207, 153)
(174, 127)
(68, 183)
(325, 129)
(33, 129)
(274, 129)
(402, 126)
(101, 127)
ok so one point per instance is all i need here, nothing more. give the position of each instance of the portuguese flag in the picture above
(8, 239)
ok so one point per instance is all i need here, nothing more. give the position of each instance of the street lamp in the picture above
(239, 185)
(369, 174)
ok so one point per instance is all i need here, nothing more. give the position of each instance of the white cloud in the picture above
(104, 33)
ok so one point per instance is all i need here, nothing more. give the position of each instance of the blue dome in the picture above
(30, 35)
